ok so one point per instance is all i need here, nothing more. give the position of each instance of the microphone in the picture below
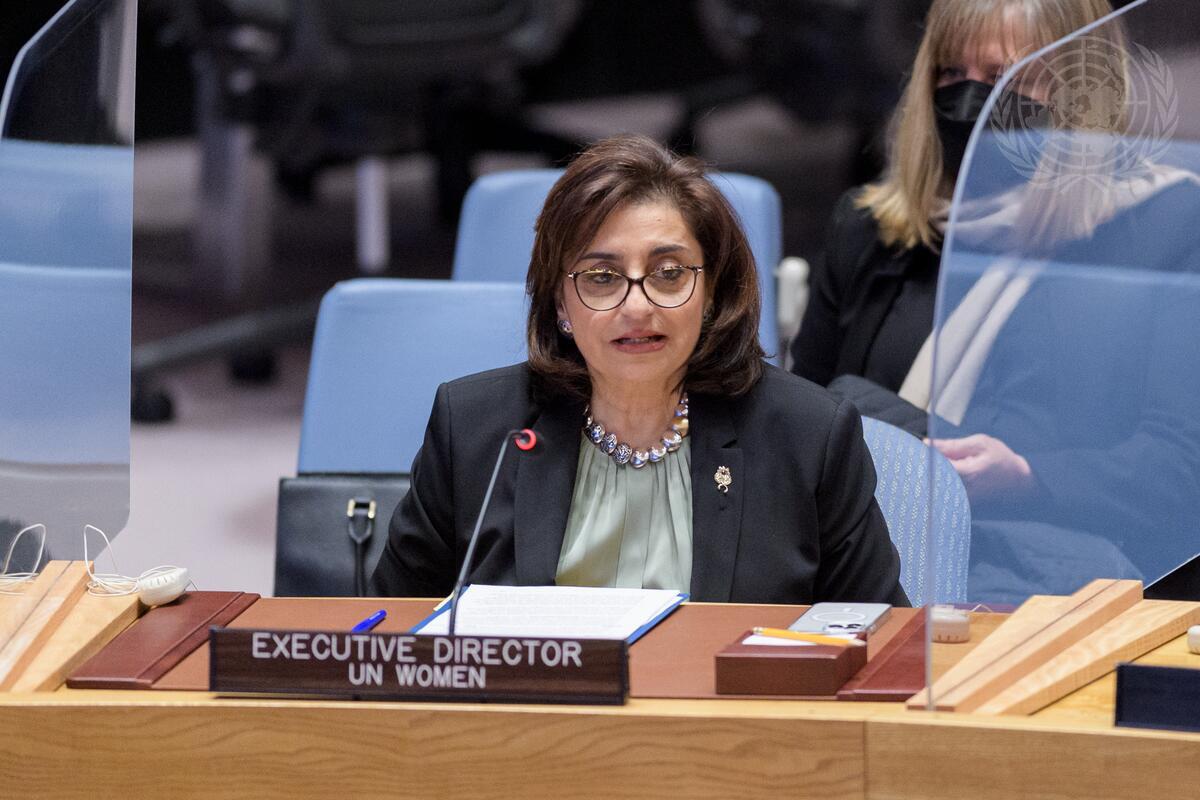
(525, 439)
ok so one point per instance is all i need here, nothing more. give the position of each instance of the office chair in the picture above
(381, 349)
(495, 231)
(314, 83)
(809, 55)
(323, 82)
(924, 522)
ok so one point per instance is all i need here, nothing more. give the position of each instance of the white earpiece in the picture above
(154, 587)
(162, 587)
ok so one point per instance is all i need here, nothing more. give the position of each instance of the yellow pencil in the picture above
(814, 638)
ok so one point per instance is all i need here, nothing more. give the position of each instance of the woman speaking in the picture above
(670, 455)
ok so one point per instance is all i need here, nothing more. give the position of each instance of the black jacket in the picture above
(853, 299)
(799, 522)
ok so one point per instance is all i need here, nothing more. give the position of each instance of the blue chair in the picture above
(495, 232)
(903, 491)
(66, 213)
(380, 350)
(65, 255)
(382, 346)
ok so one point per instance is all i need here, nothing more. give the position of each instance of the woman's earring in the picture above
(564, 325)
(707, 316)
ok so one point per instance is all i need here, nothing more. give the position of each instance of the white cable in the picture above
(9, 582)
(114, 584)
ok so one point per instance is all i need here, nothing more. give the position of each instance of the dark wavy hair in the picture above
(633, 169)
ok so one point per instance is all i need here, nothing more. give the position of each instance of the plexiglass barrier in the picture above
(1065, 370)
(66, 221)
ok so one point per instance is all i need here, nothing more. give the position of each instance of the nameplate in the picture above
(398, 666)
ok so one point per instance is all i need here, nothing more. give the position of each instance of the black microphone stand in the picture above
(526, 442)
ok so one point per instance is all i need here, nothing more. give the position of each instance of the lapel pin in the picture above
(723, 479)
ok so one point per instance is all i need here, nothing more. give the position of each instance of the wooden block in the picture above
(1090, 608)
(15, 609)
(93, 622)
(1092, 705)
(782, 670)
(41, 623)
(1027, 620)
(896, 672)
(1131, 635)
(946, 655)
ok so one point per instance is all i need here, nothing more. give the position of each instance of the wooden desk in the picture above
(127, 744)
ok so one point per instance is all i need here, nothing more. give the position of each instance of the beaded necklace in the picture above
(624, 453)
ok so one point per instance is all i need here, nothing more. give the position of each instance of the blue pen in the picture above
(370, 622)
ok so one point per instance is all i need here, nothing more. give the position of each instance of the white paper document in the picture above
(566, 612)
(775, 641)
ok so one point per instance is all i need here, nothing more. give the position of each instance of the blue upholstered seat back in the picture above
(66, 212)
(495, 232)
(933, 546)
(382, 347)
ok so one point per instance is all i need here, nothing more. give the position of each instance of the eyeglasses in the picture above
(605, 289)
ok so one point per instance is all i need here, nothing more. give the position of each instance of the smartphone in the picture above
(862, 618)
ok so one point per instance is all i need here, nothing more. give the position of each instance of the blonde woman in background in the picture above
(872, 301)
(1065, 384)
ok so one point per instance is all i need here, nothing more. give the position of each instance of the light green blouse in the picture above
(629, 528)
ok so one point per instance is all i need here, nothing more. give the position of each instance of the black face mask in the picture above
(957, 108)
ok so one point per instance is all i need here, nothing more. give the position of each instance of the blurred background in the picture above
(284, 145)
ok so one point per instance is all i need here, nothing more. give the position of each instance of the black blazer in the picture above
(799, 522)
(853, 292)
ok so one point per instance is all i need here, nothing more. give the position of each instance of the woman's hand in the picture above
(987, 466)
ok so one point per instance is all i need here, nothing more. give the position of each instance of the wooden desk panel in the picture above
(72, 741)
(67, 743)
(298, 749)
(956, 756)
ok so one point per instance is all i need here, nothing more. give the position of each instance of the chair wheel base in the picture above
(151, 406)
(257, 367)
